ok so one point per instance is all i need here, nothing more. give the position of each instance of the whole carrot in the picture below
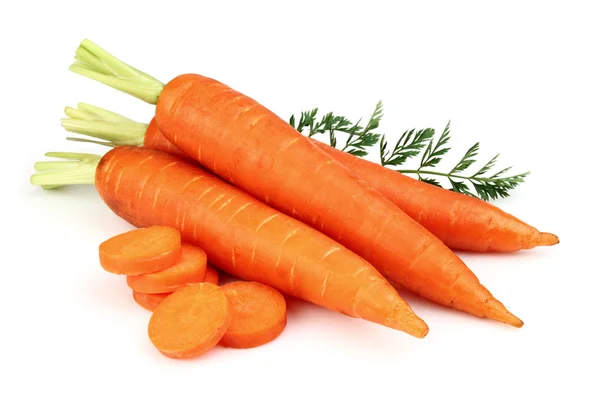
(249, 146)
(462, 222)
(245, 237)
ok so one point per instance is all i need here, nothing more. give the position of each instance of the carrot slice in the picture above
(212, 275)
(141, 251)
(190, 321)
(191, 268)
(259, 314)
(149, 300)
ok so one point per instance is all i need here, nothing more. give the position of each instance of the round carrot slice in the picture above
(190, 321)
(141, 251)
(149, 300)
(212, 275)
(259, 314)
(191, 268)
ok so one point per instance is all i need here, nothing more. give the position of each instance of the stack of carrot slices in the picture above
(191, 313)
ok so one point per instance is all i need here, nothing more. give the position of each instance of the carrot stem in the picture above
(95, 63)
(112, 128)
(90, 112)
(78, 169)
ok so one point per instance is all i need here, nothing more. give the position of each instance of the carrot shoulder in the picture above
(240, 234)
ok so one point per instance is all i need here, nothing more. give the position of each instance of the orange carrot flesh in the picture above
(212, 275)
(190, 321)
(247, 238)
(462, 222)
(238, 139)
(259, 315)
(190, 268)
(149, 301)
(140, 251)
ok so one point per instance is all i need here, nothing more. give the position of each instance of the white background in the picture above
(523, 78)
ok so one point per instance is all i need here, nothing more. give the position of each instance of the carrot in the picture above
(141, 251)
(249, 146)
(149, 300)
(190, 321)
(240, 234)
(212, 275)
(190, 268)
(259, 315)
(462, 222)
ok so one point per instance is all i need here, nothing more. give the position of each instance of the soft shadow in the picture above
(355, 332)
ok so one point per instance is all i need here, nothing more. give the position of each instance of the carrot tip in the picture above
(413, 325)
(548, 239)
(498, 312)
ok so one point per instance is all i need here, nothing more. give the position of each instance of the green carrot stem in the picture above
(78, 169)
(95, 63)
(113, 129)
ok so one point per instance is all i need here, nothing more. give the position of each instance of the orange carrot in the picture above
(212, 275)
(190, 268)
(258, 315)
(159, 142)
(244, 143)
(149, 300)
(190, 321)
(240, 234)
(462, 222)
(141, 251)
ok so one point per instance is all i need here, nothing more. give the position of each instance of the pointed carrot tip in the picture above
(412, 325)
(424, 331)
(548, 239)
(513, 320)
(498, 312)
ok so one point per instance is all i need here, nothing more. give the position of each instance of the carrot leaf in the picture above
(409, 145)
(358, 139)
(433, 154)
(476, 184)
(467, 160)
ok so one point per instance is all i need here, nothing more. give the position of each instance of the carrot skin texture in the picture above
(154, 139)
(246, 238)
(238, 139)
(462, 222)
(190, 268)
